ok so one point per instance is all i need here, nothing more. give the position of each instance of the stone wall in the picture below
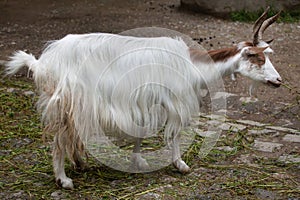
(224, 7)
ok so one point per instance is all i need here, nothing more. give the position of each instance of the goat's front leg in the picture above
(177, 161)
(59, 153)
(138, 162)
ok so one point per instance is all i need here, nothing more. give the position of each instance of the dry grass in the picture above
(26, 170)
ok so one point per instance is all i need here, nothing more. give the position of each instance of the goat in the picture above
(93, 84)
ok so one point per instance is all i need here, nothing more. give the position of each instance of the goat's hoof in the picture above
(65, 183)
(138, 162)
(142, 164)
(181, 166)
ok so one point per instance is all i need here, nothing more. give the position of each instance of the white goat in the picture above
(99, 83)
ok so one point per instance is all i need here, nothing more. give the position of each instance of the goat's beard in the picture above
(252, 88)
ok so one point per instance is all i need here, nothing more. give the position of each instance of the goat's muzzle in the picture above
(276, 83)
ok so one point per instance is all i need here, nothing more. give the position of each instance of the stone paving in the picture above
(281, 142)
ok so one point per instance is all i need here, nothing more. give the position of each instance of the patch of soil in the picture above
(29, 24)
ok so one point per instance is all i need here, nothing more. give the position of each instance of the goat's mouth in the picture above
(274, 84)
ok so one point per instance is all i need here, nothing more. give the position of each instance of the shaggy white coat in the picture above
(94, 84)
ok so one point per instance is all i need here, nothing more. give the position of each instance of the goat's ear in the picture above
(269, 41)
(249, 52)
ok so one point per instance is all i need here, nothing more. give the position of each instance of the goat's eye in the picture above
(252, 55)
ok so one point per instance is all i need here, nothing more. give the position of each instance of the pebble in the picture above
(289, 159)
(150, 195)
(291, 138)
(283, 129)
(196, 122)
(236, 127)
(29, 93)
(260, 132)
(214, 124)
(219, 95)
(11, 90)
(265, 194)
(251, 123)
(205, 133)
(266, 146)
(215, 117)
(57, 195)
(226, 148)
(18, 195)
(248, 99)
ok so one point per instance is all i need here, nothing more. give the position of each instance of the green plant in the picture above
(250, 16)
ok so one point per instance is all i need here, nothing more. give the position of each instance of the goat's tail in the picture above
(18, 60)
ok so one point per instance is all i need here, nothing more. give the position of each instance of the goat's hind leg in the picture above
(77, 155)
(177, 161)
(59, 153)
(79, 163)
(138, 162)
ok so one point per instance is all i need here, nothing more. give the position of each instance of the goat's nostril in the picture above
(279, 79)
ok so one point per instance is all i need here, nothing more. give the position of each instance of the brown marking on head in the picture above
(256, 56)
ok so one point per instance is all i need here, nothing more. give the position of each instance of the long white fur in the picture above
(103, 83)
(104, 76)
(99, 83)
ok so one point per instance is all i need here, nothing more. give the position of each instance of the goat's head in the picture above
(255, 62)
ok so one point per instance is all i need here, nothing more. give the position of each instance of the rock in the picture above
(266, 146)
(203, 197)
(291, 138)
(260, 131)
(289, 159)
(11, 90)
(219, 95)
(265, 194)
(283, 129)
(226, 148)
(57, 195)
(225, 7)
(196, 122)
(251, 123)
(168, 179)
(18, 195)
(243, 159)
(164, 187)
(215, 117)
(29, 93)
(248, 99)
(233, 127)
(205, 133)
(150, 195)
(226, 127)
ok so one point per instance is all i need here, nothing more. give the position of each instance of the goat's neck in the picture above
(225, 61)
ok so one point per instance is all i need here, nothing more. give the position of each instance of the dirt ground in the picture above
(29, 24)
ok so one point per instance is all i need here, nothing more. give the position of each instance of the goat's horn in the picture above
(258, 24)
(266, 24)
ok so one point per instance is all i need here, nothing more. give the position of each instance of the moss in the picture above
(247, 16)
